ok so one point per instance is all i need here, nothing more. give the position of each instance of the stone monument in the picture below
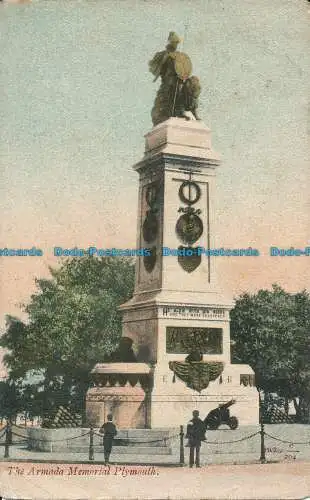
(177, 319)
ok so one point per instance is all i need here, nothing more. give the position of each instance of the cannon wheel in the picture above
(233, 423)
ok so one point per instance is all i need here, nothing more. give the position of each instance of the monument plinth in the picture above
(176, 309)
(120, 389)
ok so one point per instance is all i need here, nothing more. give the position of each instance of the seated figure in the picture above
(124, 353)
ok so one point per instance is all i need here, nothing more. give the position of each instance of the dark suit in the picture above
(195, 434)
(109, 431)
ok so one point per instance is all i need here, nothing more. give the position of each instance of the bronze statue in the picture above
(179, 91)
(124, 352)
(194, 356)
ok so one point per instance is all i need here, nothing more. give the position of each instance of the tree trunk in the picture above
(67, 385)
(286, 407)
(307, 415)
(45, 400)
(297, 406)
(305, 410)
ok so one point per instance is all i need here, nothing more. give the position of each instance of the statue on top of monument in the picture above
(179, 91)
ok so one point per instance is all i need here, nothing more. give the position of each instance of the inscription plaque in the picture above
(181, 340)
(193, 312)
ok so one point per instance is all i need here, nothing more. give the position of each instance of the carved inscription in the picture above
(193, 312)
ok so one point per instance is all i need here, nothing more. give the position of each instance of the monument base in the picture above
(127, 405)
(162, 326)
(172, 402)
(118, 391)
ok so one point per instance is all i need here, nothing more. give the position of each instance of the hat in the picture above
(126, 340)
(173, 37)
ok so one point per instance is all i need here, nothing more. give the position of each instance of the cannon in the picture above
(221, 415)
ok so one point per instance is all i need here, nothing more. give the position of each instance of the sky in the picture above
(75, 104)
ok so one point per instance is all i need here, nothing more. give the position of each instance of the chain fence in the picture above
(287, 442)
(9, 437)
(231, 442)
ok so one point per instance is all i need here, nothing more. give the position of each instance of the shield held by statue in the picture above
(182, 65)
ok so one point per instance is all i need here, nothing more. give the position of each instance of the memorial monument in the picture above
(177, 321)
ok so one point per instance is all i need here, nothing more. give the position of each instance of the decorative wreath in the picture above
(196, 374)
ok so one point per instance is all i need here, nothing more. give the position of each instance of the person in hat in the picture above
(195, 434)
(179, 91)
(124, 352)
(163, 65)
(157, 64)
(109, 431)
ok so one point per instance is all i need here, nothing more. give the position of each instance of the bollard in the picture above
(8, 440)
(182, 462)
(91, 444)
(262, 444)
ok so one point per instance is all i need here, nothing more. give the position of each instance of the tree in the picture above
(73, 323)
(271, 332)
(10, 399)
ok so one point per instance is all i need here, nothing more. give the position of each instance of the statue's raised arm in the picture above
(179, 91)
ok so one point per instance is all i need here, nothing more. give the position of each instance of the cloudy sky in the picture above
(76, 100)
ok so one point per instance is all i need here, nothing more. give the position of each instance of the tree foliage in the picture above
(10, 399)
(73, 323)
(271, 332)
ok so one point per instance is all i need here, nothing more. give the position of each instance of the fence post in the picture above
(8, 440)
(91, 443)
(262, 443)
(182, 462)
(262, 428)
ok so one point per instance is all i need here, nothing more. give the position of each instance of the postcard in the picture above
(155, 249)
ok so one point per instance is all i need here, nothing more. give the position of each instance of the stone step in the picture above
(125, 450)
(153, 442)
(124, 441)
(143, 459)
(145, 434)
(55, 440)
(150, 431)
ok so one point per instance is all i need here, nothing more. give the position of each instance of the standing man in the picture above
(195, 434)
(109, 431)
